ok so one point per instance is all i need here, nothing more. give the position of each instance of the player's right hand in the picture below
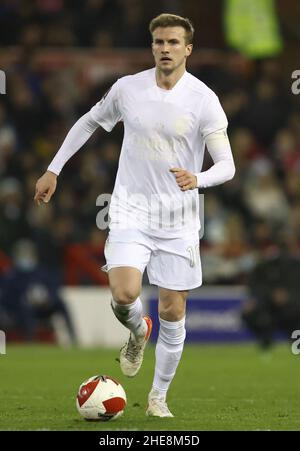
(45, 187)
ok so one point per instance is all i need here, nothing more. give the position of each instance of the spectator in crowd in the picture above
(274, 287)
(30, 296)
(13, 222)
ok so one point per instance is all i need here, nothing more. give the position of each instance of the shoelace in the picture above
(132, 350)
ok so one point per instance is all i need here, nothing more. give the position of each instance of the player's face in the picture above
(169, 48)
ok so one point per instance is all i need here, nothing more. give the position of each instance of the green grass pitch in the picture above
(216, 388)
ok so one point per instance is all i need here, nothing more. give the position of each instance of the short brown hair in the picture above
(171, 20)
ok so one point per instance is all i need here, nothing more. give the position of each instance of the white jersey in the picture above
(163, 129)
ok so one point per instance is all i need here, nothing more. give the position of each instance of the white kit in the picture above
(163, 129)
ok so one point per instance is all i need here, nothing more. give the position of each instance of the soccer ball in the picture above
(101, 398)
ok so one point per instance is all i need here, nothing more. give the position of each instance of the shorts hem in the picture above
(107, 267)
(174, 287)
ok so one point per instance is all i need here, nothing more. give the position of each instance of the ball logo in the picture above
(86, 391)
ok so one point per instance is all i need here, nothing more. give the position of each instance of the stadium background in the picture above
(59, 58)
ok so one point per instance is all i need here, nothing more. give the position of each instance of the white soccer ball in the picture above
(101, 398)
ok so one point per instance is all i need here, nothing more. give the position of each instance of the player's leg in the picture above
(125, 284)
(176, 269)
(127, 253)
(169, 347)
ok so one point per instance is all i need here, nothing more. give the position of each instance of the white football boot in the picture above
(132, 353)
(157, 407)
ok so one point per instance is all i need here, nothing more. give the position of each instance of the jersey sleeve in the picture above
(107, 111)
(213, 117)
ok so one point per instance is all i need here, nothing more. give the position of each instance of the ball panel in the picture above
(114, 405)
(90, 412)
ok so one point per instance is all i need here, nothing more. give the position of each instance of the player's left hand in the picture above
(184, 179)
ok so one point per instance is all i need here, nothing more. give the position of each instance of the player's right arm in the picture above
(77, 136)
(105, 113)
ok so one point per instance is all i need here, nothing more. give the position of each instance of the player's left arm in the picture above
(223, 169)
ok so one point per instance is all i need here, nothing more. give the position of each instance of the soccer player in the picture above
(169, 116)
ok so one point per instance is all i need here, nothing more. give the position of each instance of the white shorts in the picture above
(172, 263)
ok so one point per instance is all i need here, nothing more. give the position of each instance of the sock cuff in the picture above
(172, 324)
(125, 306)
(157, 391)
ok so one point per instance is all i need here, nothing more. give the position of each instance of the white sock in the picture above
(130, 316)
(168, 352)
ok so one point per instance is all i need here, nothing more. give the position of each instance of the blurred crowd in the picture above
(100, 23)
(72, 23)
(242, 217)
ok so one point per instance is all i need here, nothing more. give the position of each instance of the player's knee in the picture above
(172, 313)
(172, 305)
(125, 295)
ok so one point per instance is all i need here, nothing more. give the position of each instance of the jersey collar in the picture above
(175, 87)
